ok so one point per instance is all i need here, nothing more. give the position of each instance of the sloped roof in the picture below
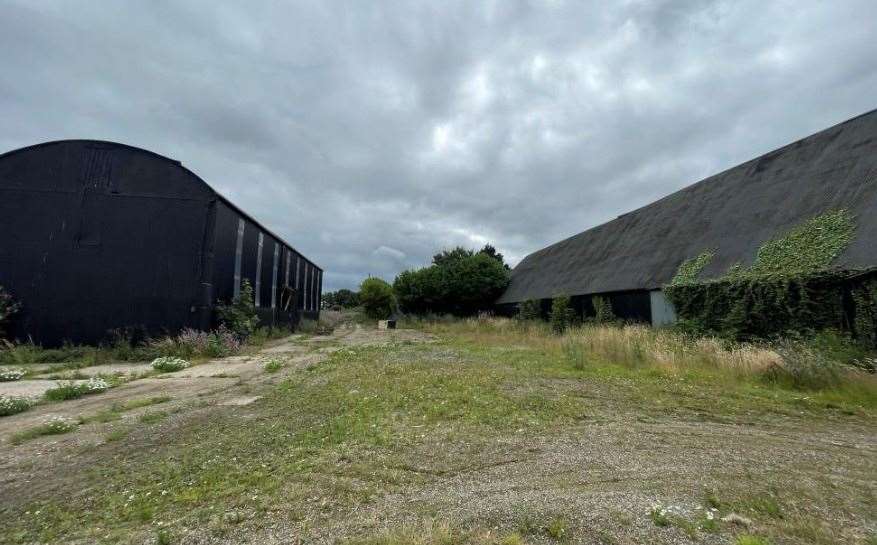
(732, 213)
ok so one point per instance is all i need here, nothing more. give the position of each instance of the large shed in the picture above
(731, 214)
(99, 237)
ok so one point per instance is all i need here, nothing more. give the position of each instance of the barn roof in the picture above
(732, 213)
(163, 158)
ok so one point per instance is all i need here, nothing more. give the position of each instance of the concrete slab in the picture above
(130, 369)
(33, 389)
(228, 366)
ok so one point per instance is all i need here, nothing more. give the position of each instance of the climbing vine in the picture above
(788, 287)
(812, 246)
(690, 269)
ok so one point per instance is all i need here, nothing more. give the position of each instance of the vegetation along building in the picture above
(99, 237)
(807, 210)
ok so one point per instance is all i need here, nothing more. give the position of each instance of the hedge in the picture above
(757, 307)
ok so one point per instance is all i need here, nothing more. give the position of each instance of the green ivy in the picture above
(812, 246)
(690, 269)
(787, 288)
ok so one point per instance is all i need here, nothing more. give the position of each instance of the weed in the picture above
(11, 374)
(153, 417)
(749, 539)
(116, 435)
(659, 517)
(273, 366)
(53, 426)
(575, 354)
(557, 528)
(10, 405)
(163, 537)
(73, 390)
(169, 364)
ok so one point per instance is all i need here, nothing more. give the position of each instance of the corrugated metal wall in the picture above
(97, 236)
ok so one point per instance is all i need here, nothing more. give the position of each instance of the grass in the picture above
(749, 539)
(273, 366)
(115, 411)
(53, 426)
(374, 421)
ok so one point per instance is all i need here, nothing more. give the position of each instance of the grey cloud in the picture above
(372, 134)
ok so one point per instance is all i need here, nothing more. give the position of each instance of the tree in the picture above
(446, 257)
(490, 251)
(343, 298)
(562, 314)
(459, 282)
(376, 297)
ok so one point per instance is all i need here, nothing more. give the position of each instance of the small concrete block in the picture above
(386, 324)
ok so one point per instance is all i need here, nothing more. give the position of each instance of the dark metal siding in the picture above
(98, 236)
(94, 240)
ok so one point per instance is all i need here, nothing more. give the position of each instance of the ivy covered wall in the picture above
(789, 287)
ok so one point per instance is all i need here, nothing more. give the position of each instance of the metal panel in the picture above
(663, 312)
(238, 255)
(258, 287)
(274, 275)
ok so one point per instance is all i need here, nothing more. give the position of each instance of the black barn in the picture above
(99, 237)
(629, 259)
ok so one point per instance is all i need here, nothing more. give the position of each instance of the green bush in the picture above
(169, 364)
(530, 310)
(562, 314)
(603, 310)
(804, 368)
(13, 405)
(459, 282)
(240, 316)
(72, 390)
(376, 297)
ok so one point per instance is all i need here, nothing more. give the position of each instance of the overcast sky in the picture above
(371, 134)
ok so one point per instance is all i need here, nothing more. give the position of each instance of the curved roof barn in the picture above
(97, 237)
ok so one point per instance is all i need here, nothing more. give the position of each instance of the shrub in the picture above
(530, 310)
(273, 366)
(72, 390)
(240, 316)
(603, 310)
(53, 426)
(169, 363)
(377, 298)
(14, 405)
(459, 282)
(562, 314)
(803, 367)
(11, 374)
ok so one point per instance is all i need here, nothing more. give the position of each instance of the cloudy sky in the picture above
(371, 134)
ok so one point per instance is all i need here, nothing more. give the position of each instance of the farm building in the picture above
(731, 215)
(99, 237)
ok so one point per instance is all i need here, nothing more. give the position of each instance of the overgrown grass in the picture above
(654, 355)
